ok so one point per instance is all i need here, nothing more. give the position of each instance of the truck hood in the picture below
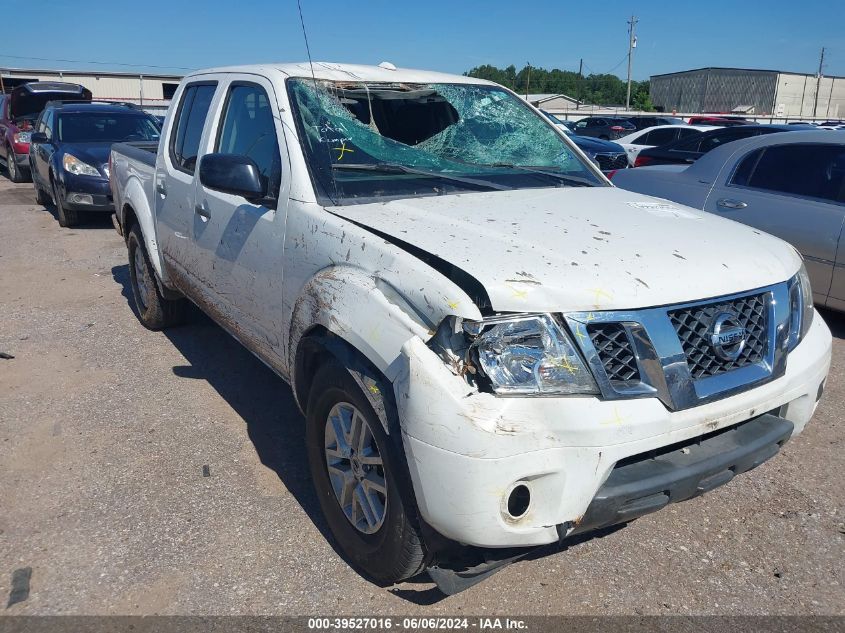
(580, 248)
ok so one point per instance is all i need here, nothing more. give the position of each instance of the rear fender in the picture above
(135, 198)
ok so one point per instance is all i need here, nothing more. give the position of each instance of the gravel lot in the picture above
(105, 430)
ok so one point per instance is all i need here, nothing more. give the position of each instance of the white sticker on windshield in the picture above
(663, 210)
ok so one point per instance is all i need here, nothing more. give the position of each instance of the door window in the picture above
(717, 140)
(661, 137)
(812, 170)
(48, 124)
(248, 130)
(193, 110)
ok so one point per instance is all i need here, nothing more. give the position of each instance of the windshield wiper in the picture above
(396, 168)
(574, 181)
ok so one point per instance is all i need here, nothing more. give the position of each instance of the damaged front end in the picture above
(518, 355)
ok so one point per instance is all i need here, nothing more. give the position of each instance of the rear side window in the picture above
(691, 145)
(743, 172)
(193, 111)
(661, 137)
(717, 140)
(815, 171)
(248, 130)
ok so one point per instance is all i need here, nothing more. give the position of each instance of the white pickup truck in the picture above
(493, 347)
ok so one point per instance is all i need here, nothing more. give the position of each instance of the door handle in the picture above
(161, 188)
(202, 211)
(727, 203)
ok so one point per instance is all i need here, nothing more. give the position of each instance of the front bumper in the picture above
(86, 193)
(466, 451)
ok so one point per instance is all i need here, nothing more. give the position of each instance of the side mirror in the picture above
(38, 137)
(232, 173)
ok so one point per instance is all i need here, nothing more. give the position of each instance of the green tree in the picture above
(598, 89)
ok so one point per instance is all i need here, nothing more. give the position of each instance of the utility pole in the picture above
(818, 83)
(528, 81)
(632, 44)
(580, 81)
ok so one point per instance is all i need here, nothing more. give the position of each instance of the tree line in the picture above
(597, 89)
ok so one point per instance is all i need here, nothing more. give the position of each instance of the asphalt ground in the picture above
(107, 433)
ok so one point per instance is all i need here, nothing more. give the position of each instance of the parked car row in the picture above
(60, 138)
(493, 348)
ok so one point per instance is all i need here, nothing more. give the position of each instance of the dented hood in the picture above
(580, 248)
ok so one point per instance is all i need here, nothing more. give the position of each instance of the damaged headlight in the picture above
(528, 354)
(800, 307)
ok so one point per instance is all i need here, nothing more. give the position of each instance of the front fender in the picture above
(362, 309)
(135, 198)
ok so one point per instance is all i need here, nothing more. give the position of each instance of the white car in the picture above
(658, 135)
(491, 345)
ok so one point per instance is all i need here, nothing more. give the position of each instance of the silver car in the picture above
(791, 185)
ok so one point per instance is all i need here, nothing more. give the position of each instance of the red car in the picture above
(18, 111)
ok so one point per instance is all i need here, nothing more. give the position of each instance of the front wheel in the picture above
(67, 217)
(15, 174)
(355, 470)
(41, 196)
(154, 311)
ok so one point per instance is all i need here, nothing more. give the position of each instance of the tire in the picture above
(387, 551)
(15, 174)
(153, 310)
(41, 197)
(67, 217)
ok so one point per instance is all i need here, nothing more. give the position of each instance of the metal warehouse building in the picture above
(152, 91)
(748, 91)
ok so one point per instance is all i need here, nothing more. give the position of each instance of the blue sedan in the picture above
(69, 153)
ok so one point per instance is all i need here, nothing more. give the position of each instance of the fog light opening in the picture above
(518, 501)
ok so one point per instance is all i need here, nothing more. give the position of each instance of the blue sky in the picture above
(448, 36)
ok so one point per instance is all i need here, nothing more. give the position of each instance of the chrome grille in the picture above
(615, 351)
(612, 161)
(693, 327)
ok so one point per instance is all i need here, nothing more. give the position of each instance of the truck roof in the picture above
(345, 72)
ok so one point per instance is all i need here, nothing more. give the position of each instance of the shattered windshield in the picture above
(374, 140)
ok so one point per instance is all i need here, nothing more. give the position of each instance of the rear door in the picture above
(174, 185)
(793, 191)
(238, 244)
(41, 153)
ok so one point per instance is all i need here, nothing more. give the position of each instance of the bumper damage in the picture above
(585, 463)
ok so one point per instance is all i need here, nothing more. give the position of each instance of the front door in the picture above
(239, 243)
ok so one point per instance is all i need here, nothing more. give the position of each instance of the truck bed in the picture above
(143, 151)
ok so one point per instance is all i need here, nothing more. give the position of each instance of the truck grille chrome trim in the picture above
(670, 352)
(615, 351)
(693, 328)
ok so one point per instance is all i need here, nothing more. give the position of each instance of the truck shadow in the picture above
(261, 398)
(835, 321)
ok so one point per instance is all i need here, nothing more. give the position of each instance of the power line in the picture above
(77, 61)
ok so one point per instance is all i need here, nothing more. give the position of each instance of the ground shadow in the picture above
(835, 321)
(87, 219)
(264, 401)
